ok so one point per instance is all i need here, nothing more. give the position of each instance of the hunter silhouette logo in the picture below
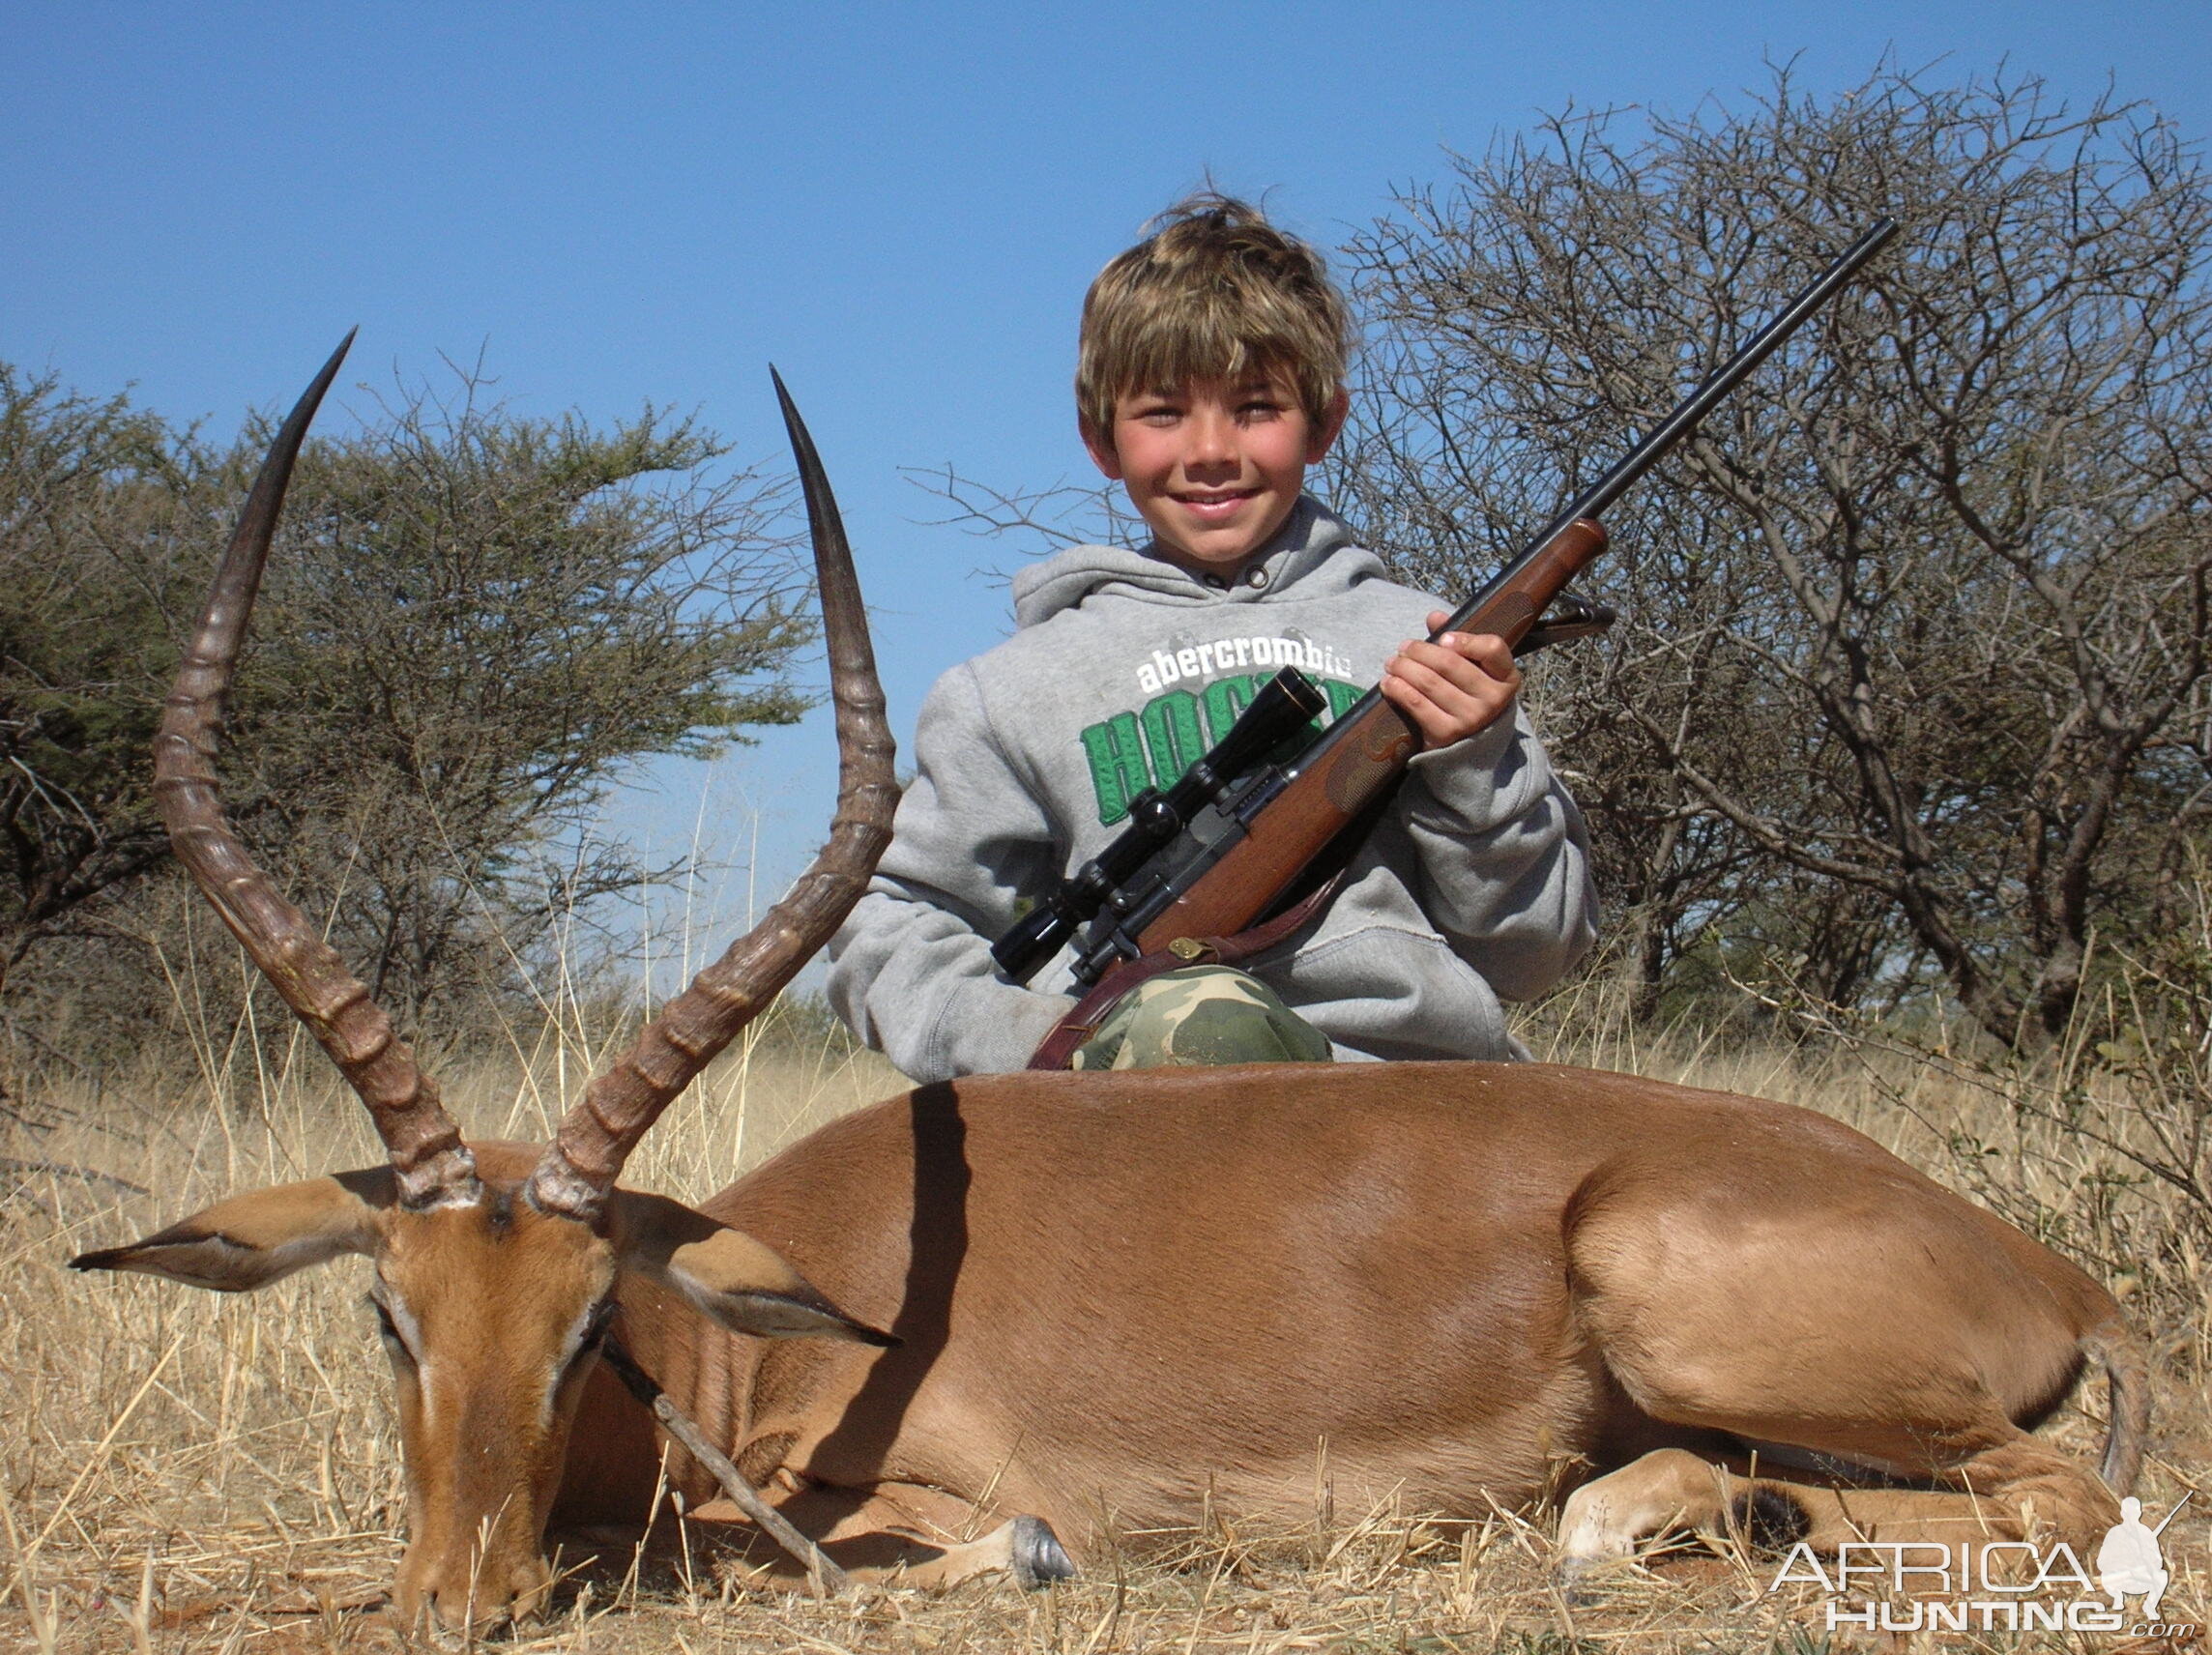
(2129, 1562)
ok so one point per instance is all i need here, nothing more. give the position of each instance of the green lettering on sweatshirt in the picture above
(1178, 729)
(1172, 734)
(1117, 772)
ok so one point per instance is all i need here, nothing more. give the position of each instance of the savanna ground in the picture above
(181, 1471)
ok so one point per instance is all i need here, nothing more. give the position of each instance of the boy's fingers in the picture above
(1441, 675)
(1493, 653)
(1489, 652)
(1453, 684)
(1427, 716)
(1444, 705)
(1473, 661)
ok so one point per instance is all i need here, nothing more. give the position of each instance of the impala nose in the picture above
(478, 1599)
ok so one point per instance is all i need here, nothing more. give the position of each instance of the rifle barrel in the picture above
(1715, 387)
(1601, 494)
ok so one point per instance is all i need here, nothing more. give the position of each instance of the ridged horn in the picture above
(596, 1138)
(432, 1165)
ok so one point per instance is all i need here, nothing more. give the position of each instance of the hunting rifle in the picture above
(1237, 835)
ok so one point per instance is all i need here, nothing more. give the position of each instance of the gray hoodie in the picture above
(1474, 887)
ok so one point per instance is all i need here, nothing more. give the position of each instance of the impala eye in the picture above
(588, 1338)
(388, 1330)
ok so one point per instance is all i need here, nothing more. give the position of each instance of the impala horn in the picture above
(586, 1157)
(431, 1164)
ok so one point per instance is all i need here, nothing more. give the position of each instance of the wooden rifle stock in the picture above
(1361, 755)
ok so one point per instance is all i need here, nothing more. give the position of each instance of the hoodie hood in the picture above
(1313, 549)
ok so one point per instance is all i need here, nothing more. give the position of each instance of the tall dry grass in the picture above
(181, 1471)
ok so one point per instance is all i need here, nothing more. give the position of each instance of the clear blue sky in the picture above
(900, 204)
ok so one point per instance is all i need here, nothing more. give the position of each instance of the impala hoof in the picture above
(1037, 1559)
(1578, 1580)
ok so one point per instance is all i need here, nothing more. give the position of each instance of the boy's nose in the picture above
(1212, 441)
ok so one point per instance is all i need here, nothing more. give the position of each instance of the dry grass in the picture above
(185, 1472)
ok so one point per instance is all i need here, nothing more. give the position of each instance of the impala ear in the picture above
(731, 1279)
(251, 1240)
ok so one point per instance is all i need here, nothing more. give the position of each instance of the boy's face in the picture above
(1214, 467)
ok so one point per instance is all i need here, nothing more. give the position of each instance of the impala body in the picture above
(1108, 1301)
(1121, 1296)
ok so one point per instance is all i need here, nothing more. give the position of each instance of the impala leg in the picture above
(1665, 1492)
(2023, 1487)
(1674, 1492)
(1825, 1340)
(2020, 1490)
(1024, 1548)
(1977, 1475)
(902, 1535)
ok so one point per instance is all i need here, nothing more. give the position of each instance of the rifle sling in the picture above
(1059, 1047)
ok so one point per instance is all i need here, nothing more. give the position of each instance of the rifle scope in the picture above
(1285, 701)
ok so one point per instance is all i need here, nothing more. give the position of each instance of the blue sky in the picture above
(900, 204)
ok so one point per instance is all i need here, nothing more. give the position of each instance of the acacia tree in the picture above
(475, 624)
(1912, 684)
(94, 497)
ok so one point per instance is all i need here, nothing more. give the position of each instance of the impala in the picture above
(1074, 1302)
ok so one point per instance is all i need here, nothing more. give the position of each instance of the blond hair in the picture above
(1213, 291)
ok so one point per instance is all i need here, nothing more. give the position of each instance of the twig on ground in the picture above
(825, 1577)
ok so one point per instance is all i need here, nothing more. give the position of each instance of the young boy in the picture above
(1210, 376)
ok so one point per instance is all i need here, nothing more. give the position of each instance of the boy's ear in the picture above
(1101, 446)
(1331, 424)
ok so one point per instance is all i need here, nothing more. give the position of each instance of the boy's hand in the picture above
(1450, 688)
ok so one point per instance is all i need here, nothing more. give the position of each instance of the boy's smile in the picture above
(1214, 467)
